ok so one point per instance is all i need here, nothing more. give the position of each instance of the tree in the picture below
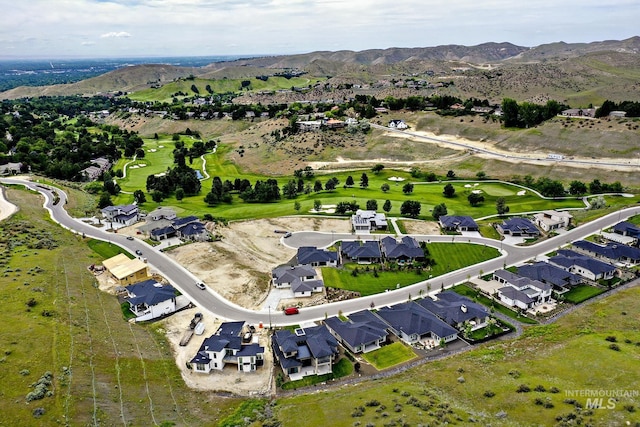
(349, 181)
(331, 184)
(387, 206)
(410, 208)
(372, 205)
(510, 112)
(105, 200)
(296, 206)
(438, 211)
(317, 205)
(501, 206)
(364, 180)
(577, 188)
(290, 189)
(449, 190)
(481, 175)
(407, 188)
(385, 187)
(451, 174)
(595, 187)
(179, 194)
(475, 199)
(157, 196)
(377, 168)
(317, 186)
(139, 197)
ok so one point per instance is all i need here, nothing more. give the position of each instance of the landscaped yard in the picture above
(581, 293)
(341, 369)
(389, 355)
(488, 302)
(448, 257)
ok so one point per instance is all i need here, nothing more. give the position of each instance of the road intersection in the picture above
(216, 305)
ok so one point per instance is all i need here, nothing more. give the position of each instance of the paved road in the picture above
(514, 156)
(216, 305)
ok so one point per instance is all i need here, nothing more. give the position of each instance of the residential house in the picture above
(194, 232)
(552, 220)
(611, 251)
(334, 124)
(309, 125)
(585, 266)
(226, 347)
(316, 257)
(162, 233)
(398, 124)
(629, 229)
(518, 227)
(305, 351)
(365, 221)
(366, 334)
(302, 279)
(126, 271)
(456, 310)
(561, 280)
(362, 252)
(579, 112)
(98, 166)
(520, 291)
(150, 300)
(162, 213)
(11, 168)
(412, 324)
(458, 223)
(405, 251)
(122, 214)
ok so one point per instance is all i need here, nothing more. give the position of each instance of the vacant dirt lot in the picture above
(238, 267)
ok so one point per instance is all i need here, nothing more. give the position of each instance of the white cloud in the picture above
(114, 34)
(212, 27)
(88, 43)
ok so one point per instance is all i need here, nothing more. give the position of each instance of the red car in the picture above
(291, 310)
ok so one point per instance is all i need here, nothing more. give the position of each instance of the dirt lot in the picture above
(421, 227)
(238, 267)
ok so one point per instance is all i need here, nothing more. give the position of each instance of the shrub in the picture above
(540, 388)
(614, 347)
(358, 411)
(611, 338)
(554, 390)
(489, 393)
(372, 402)
(25, 372)
(629, 408)
(523, 388)
(514, 373)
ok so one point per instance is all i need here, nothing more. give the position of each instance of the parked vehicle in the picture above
(201, 285)
(291, 310)
(138, 252)
(129, 237)
(287, 235)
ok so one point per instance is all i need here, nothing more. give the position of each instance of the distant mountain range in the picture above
(565, 71)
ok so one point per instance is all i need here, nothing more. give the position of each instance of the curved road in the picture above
(503, 155)
(212, 302)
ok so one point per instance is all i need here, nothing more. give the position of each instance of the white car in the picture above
(201, 285)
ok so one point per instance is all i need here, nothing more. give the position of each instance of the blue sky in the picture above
(134, 28)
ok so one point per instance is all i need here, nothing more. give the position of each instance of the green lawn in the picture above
(488, 302)
(448, 257)
(107, 250)
(341, 369)
(389, 355)
(581, 293)
(158, 158)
